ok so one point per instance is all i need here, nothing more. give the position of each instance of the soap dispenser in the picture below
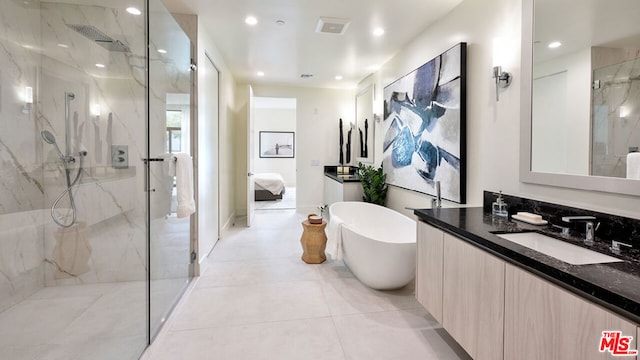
(499, 207)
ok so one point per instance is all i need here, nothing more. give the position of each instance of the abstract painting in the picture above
(424, 127)
(276, 144)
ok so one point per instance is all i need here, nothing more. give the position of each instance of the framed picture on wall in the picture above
(425, 127)
(277, 144)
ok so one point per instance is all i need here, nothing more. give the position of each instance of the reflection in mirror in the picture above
(586, 88)
(575, 142)
(364, 125)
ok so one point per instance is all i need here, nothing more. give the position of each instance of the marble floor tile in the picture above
(255, 303)
(307, 339)
(257, 300)
(404, 334)
(36, 322)
(349, 296)
(121, 348)
(236, 273)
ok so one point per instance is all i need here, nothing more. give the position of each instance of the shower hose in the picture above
(68, 190)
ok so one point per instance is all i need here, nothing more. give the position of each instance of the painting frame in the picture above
(424, 127)
(277, 144)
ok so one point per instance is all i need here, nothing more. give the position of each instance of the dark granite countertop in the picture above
(615, 286)
(343, 178)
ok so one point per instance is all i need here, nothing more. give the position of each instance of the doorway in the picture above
(274, 158)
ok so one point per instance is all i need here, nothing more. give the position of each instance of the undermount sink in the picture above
(558, 249)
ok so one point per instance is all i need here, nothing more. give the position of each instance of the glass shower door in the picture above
(169, 158)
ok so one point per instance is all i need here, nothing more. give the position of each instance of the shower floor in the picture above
(93, 321)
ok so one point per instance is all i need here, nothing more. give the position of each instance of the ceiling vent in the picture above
(329, 25)
(306, 76)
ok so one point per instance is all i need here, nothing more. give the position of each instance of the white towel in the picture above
(184, 185)
(169, 164)
(633, 165)
(334, 238)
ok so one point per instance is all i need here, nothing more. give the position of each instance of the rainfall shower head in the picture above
(100, 38)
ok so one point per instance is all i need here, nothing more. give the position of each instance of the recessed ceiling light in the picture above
(260, 73)
(251, 20)
(554, 44)
(338, 77)
(378, 31)
(162, 51)
(100, 65)
(134, 11)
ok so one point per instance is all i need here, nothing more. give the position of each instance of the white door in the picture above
(251, 196)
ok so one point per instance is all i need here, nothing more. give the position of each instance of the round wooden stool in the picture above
(314, 241)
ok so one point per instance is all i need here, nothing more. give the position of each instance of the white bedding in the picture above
(270, 181)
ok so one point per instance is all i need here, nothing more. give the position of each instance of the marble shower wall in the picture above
(616, 109)
(39, 50)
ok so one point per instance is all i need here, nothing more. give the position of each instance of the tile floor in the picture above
(288, 201)
(256, 299)
(77, 322)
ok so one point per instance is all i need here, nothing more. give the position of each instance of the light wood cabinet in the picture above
(335, 191)
(544, 321)
(473, 298)
(429, 265)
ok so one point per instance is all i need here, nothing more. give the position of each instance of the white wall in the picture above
(317, 116)
(275, 120)
(493, 128)
(214, 158)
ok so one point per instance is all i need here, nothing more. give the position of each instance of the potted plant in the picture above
(374, 186)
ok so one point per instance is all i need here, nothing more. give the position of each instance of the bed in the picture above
(269, 186)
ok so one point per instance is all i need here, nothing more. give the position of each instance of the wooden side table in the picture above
(314, 241)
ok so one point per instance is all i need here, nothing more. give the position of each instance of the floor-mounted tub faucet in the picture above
(437, 202)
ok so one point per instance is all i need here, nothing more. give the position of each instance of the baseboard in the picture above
(228, 224)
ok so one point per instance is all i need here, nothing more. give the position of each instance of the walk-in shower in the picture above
(87, 269)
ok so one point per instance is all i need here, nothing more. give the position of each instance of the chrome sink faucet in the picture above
(590, 229)
(437, 201)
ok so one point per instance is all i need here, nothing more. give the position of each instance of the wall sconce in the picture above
(501, 55)
(28, 99)
(624, 112)
(95, 110)
(503, 79)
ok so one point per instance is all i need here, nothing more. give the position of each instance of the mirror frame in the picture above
(581, 182)
(369, 92)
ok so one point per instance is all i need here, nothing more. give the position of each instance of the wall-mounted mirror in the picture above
(581, 94)
(364, 125)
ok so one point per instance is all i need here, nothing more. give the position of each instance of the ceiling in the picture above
(603, 23)
(285, 52)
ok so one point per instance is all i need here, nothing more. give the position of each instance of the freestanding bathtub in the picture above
(376, 243)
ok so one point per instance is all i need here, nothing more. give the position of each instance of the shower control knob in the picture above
(120, 152)
(120, 159)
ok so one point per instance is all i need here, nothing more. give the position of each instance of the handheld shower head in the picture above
(48, 137)
(70, 95)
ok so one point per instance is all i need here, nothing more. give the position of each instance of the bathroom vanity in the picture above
(341, 186)
(502, 300)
